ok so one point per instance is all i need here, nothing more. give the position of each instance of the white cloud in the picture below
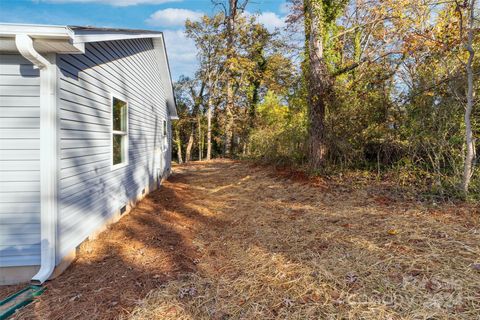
(173, 17)
(116, 3)
(284, 8)
(271, 20)
(182, 53)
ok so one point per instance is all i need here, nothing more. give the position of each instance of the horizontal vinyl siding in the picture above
(90, 191)
(19, 162)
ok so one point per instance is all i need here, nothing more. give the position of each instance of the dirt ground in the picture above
(230, 240)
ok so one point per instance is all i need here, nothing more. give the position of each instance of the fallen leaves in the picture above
(392, 232)
(243, 257)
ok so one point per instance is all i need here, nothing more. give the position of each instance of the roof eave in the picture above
(166, 76)
(36, 31)
(86, 37)
(72, 39)
(75, 34)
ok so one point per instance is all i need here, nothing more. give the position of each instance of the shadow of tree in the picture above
(141, 252)
(257, 246)
(287, 250)
(90, 191)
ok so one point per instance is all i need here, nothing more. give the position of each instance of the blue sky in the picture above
(164, 15)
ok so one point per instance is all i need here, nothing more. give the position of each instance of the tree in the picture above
(319, 15)
(196, 89)
(470, 144)
(184, 113)
(382, 82)
(189, 97)
(231, 12)
(209, 39)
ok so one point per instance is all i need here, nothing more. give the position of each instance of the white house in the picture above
(85, 132)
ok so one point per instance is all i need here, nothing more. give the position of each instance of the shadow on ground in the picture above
(228, 240)
(113, 273)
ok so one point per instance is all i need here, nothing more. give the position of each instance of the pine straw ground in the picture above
(229, 240)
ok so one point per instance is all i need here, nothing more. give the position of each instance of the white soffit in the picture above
(165, 75)
(46, 38)
(66, 39)
(90, 34)
(36, 31)
(72, 39)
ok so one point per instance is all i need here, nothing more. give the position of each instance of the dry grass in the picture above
(228, 240)
(288, 250)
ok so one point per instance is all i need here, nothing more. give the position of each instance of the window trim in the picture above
(165, 142)
(116, 132)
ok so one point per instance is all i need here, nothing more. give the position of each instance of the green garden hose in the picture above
(9, 305)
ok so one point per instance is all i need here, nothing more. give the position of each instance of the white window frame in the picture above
(164, 128)
(164, 135)
(125, 141)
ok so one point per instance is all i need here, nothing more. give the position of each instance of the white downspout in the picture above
(25, 45)
(48, 154)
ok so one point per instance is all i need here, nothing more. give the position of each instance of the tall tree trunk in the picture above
(470, 152)
(202, 145)
(252, 112)
(178, 141)
(209, 125)
(319, 82)
(200, 140)
(229, 109)
(188, 151)
(229, 119)
(195, 120)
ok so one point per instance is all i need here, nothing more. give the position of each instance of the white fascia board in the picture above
(94, 36)
(36, 30)
(165, 76)
(75, 37)
(44, 34)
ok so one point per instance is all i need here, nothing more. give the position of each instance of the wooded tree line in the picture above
(379, 85)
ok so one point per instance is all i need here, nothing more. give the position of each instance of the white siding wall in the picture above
(90, 191)
(19, 162)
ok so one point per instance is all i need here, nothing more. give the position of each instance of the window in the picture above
(164, 135)
(119, 132)
(164, 128)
